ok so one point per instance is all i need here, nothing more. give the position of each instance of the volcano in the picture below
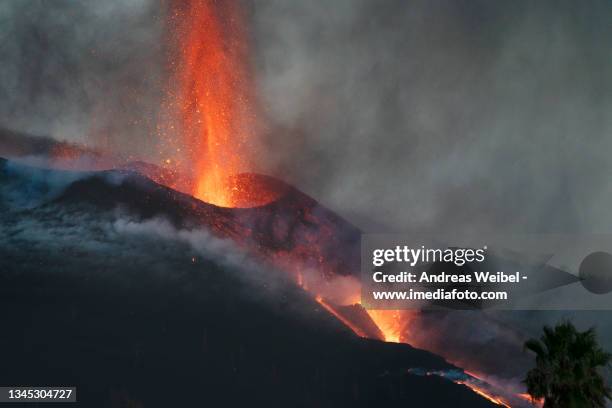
(141, 295)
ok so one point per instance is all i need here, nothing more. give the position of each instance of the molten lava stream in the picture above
(393, 325)
(338, 316)
(390, 323)
(484, 394)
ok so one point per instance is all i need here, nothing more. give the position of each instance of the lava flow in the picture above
(208, 119)
(208, 128)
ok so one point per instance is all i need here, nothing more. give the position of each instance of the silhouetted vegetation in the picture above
(568, 371)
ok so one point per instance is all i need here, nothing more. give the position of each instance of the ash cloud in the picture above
(443, 115)
(88, 72)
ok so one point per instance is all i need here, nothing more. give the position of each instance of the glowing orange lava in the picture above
(496, 400)
(338, 316)
(390, 322)
(534, 402)
(209, 99)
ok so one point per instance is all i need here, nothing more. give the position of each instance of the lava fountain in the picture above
(207, 127)
(208, 117)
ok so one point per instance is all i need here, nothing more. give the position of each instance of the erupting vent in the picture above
(209, 117)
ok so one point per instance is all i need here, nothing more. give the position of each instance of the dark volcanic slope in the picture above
(141, 312)
(60, 154)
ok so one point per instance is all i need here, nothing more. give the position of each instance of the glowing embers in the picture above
(209, 119)
(253, 190)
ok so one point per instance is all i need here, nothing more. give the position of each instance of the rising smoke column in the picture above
(208, 116)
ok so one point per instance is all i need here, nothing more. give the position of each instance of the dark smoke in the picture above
(444, 114)
(82, 71)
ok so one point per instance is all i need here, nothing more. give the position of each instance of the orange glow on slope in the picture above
(535, 402)
(390, 322)
(209, 103)
(493, 398)
(331, 310)
(482, 393)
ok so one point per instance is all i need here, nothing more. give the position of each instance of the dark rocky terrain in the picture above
(107, 284)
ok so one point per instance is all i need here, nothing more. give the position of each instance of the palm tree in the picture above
(568, 371)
